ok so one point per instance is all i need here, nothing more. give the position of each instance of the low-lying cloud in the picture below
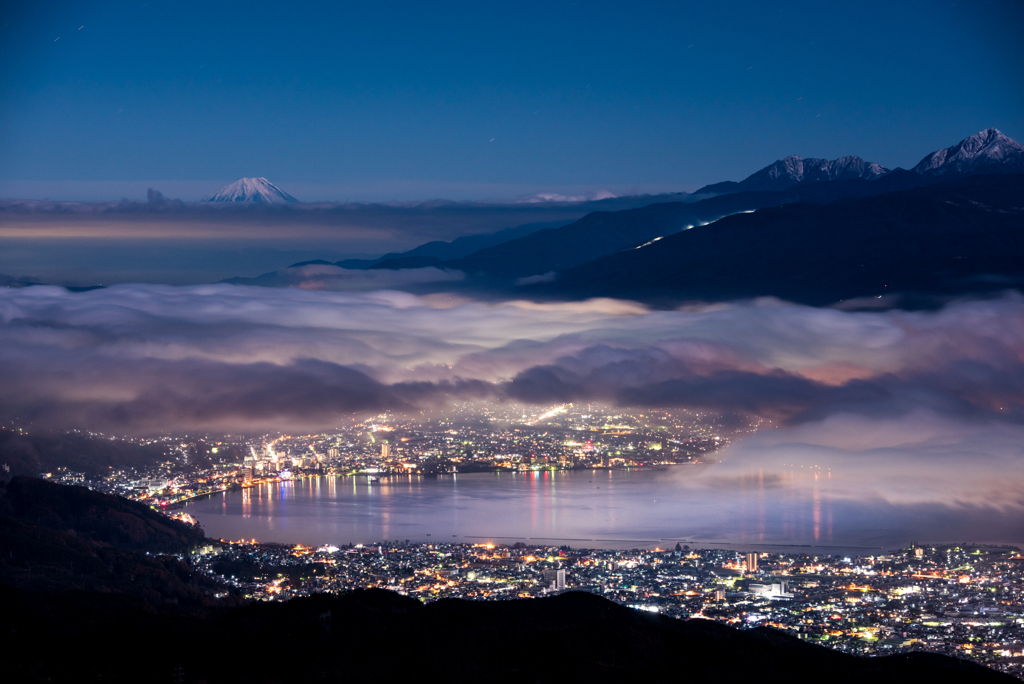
(330, 277)
(919, 458)
(145, 357)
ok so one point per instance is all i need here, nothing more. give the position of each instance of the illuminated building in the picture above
(751, 562)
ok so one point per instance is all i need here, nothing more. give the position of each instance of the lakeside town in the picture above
(960, 599)
(465, 439)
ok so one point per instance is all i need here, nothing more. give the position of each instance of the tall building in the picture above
(385, 450)
(751, 563)
(554, 578)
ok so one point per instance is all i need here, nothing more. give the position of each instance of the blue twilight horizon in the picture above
(404, 101)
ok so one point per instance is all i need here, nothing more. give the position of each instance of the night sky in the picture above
(403, 100)
(413, 101)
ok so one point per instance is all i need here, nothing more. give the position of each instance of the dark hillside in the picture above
(947, 239)
(602, 233)
(41, 452)
(95, 517)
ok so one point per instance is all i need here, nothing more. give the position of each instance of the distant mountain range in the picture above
(596, 255)
(555, 249)
(793, 170)
(986, 152)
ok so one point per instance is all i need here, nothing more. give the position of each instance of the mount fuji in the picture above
(251, 190)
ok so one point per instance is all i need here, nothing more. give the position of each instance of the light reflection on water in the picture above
(591, 508)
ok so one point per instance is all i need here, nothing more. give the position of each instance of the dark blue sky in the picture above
(407, 100)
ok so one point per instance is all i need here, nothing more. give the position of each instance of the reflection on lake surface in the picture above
(587, 508)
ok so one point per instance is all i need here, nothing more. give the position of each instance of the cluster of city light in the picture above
(386, 445)
(952, 599)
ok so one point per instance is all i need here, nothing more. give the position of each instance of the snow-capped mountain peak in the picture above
(793, 170)
(988, 151)
(251, 190)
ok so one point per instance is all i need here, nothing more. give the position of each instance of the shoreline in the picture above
(306, 476)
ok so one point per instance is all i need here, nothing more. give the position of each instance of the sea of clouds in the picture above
(911, 406)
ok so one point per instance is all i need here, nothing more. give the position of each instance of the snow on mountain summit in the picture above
(986, 152)
(793, 170)
(251, 190)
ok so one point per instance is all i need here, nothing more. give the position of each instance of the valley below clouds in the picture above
(910, 408)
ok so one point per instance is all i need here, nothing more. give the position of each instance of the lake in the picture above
(643, 508)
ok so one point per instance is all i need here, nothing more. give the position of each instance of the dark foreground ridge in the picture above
(378, 635)
(85, 611)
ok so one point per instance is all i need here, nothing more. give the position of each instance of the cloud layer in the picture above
(146, 357)
(910, 410)
(918, 459)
